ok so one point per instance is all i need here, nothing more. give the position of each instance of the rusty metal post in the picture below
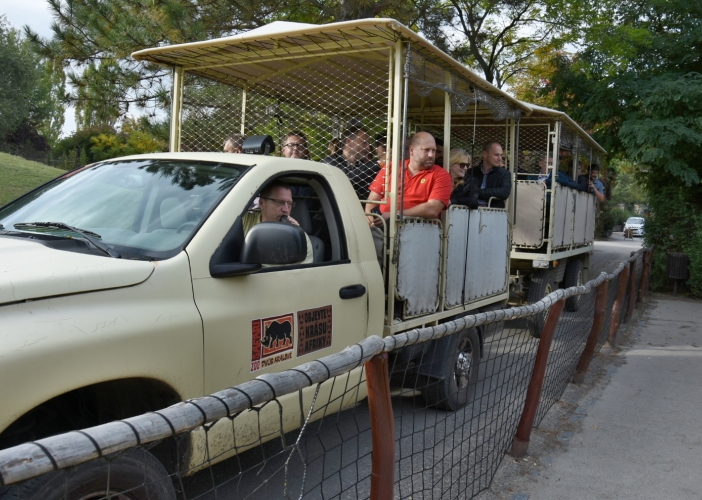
(382, 427)
(597, 324)
(520, 445)
(618, 304)
(632, 291)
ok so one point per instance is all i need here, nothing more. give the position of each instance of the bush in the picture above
(675, 225)
(694, 251)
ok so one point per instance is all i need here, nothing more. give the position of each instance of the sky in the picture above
(35, 14)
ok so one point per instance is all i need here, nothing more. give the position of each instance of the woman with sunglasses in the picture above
(465, 188)
(459, 163)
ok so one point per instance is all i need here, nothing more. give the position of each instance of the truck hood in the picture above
(30, 270)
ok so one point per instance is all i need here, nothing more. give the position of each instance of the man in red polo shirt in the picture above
(427, 186)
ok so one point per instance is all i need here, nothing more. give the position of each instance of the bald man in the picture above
(427, 186)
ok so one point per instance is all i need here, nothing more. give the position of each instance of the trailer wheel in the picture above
(573, 277)
(133, 475)
(541, 285)
(460, 369)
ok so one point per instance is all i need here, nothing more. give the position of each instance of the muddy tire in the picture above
(460, 370)
(541, 285)
(573, 277)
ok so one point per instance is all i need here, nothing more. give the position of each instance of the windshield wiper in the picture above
(89, 236)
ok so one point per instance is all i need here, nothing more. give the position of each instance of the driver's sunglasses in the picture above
(464, 165)
(280, 203)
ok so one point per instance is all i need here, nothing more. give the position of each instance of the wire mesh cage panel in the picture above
(454, 454)
(311, 114)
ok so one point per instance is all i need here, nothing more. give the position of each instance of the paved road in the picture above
(631, 431)
(609, 253)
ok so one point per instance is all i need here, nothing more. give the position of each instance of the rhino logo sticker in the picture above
(273, 340)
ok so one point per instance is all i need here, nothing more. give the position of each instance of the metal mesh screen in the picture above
(326, 118)
(568, 342)
(454, 454)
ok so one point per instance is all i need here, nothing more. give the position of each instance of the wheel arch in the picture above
(88, 406)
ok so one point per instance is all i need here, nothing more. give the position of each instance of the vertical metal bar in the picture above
(176, 109)
(397, 144)
(382, 427)
(617, 308)
(447, 128)
(443, 269)
(244, 98)
(401, 165)
(520, 444)
(597, 324)
(632, 290)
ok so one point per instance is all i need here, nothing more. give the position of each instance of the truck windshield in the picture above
(144, 209)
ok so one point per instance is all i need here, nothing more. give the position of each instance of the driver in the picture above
(275, 202)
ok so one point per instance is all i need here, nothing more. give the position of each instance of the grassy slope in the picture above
(17, 176)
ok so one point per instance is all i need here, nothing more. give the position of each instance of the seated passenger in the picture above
(275, 203)
(465, 186)
(545, 164)
(295, 145)
(459, 163)
(564, 179)
(234, 143)
(494, 180)
(353, 160)
(427, 186)
(592, 182)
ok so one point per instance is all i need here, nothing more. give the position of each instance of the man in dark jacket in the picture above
(353, 160)
(494, 180)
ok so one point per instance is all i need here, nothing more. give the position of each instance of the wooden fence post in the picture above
(632, 290)
(597, 324)
(382, 427)
(520, 445)
(617, 308)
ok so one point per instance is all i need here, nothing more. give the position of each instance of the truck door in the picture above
(280, 317)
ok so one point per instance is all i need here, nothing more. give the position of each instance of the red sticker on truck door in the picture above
(314, 330)
(272, 341)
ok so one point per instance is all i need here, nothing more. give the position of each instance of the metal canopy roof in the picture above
(260, 55)
(539, 113)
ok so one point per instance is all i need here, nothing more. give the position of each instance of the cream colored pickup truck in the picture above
(128, 285)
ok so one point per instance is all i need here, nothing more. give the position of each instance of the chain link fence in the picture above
(311, 432)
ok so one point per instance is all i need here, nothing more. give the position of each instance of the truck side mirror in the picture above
(274, 243)
(258, 145)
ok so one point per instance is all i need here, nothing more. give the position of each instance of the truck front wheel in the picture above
(132, 475)
(460, 370)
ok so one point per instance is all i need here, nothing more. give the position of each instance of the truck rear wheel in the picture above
(541, 285)
(460, 369)
(133, 475)
(573, 277)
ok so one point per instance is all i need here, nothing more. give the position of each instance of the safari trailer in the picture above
(378, 75)
(554, 227)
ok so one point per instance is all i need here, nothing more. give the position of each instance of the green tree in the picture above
(31, 93)
(96, 40)
(20, 79)
(637, 82)
(503, 38)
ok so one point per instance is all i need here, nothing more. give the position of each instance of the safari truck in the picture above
(555, 223)
(128, 285)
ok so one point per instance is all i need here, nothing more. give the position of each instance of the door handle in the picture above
(352, 291)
